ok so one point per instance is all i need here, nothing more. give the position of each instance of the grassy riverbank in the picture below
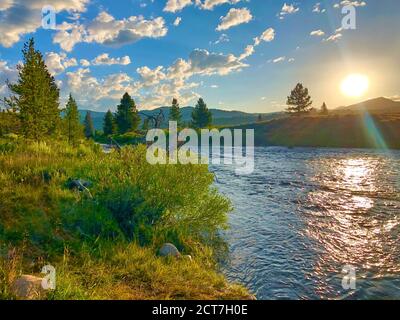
(360, 130)
(104, 241)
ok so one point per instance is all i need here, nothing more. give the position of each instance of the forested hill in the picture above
(220, 117)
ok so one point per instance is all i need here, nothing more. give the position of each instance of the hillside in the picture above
(220, 117)
(378, 105)
(342, 131)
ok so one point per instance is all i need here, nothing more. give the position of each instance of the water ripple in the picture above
(306, 213)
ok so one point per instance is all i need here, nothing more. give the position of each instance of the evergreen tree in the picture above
(89, 128)
(175, 112)
(35, 95)
(259, 118)
(109, 124)
(127, 116)
(201, 116)
(324, 109)
(299, 100)
(72, 121)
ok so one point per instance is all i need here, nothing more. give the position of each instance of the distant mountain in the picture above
(378, 105)
(220, 117)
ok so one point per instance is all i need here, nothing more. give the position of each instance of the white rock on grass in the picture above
(169, 250)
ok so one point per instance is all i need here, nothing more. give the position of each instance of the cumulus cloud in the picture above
(151, 77)
(153, 86)
(351, 3)
(6, 73)
(107, 30)
(288, 9)
(57, 63)
(174, 6)
(20, 17)
(210, 4)
(204, 62)
(88, 88)
(177, 5)
(104, 59)
(235, 17)
(84, 62)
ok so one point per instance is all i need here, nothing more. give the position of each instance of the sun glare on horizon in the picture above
(355, 85)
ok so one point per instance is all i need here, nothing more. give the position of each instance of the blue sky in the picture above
(236, 54)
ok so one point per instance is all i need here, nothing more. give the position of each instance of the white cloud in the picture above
(57, 63)
(177, 5)
(288, 9)
(105, 29)
(222, 38)
(333, 38)
(235, 17)
(353, 3)
(177, 21)
(317, 8)
(267, 36)
(174, 6)
(6, 73)
(278, 60)
(206, 63)
(20, 17)
(104, 59)
(210, 4)
(317, 33)
(69, 35)
(151, 77)
(84, 62)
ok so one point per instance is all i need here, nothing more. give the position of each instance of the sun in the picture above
(355, 85)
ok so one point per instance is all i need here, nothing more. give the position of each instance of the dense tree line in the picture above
(33, 107)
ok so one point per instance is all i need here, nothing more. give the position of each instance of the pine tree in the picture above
(201, 116)
(324, 109)
(175, 112)
(109, 124)
(259, 118)
(35, 95)
(299, 100)
(72, 121)
(89, 128)
(127, 116)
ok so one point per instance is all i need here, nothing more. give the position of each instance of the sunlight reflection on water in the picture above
(305, 213)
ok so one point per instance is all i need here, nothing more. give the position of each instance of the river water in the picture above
(306, 214)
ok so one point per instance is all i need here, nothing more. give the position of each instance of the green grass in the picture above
(333, 130)
(104, 242)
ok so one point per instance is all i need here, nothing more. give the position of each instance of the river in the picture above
(305, 214)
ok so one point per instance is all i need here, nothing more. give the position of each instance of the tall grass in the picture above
(104, 242)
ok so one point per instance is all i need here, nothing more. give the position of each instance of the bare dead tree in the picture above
(155, 120)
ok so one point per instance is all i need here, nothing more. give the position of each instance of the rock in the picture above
(27, 287)
(78, 184)
(169, 250)
(188, 257)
